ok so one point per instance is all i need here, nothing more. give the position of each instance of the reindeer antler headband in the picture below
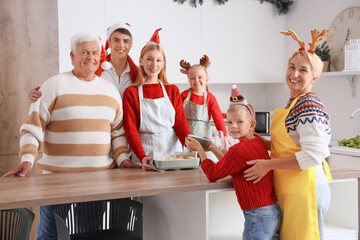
(204, 61)
(316, 37)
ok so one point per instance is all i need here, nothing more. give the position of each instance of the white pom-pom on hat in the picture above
(105, 65)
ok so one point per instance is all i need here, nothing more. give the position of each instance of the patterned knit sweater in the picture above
(308, 125)
(249, 195)
(212, 107)
(75, 121)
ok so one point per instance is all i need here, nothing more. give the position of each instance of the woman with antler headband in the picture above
(300, 134)
(199, 104)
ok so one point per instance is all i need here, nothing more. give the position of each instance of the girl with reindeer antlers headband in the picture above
(154, 118)
(300, 134)
(199, 104)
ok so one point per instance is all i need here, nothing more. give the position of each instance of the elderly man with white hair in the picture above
(76, 119)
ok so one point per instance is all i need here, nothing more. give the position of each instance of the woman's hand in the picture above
(146, 165)
(127, 163)
(34, 94)
(258, 170)
(192, 144)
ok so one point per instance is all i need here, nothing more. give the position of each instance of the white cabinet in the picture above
(342, 218)
(341, 221)
(243, 41)
(241, 38)
(216, 214)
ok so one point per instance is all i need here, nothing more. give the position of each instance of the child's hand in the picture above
(211, 145)
(192, 144)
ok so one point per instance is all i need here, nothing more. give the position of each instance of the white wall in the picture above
(334, 91)
(188, 33)
(303, 16)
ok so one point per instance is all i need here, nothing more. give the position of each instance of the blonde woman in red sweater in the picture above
(258, 201)
(154, 118)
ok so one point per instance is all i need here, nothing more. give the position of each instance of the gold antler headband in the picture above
(204, 61)
(316, 37)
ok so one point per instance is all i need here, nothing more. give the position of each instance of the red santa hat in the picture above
(155, 39)
(104, 64)
(238, 98)
(113, 28)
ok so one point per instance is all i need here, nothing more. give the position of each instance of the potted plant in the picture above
(323, 51)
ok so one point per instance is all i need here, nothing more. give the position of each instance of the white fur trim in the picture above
(105, 65)
(116, 26)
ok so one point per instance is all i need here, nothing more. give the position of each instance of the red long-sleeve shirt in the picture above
(212, 107)
(249, 195)
(132, 114)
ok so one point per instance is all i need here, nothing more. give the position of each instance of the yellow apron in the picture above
(295, 188)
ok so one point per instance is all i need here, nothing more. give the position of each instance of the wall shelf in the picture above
(351, 75)
(340, 73)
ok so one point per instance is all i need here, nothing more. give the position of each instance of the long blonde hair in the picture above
(141, 76)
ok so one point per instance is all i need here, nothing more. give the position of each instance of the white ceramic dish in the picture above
(176, 164)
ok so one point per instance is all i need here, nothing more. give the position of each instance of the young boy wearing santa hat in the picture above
(123, 71)
(258, 201)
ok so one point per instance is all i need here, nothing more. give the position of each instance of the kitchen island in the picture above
(177, 204)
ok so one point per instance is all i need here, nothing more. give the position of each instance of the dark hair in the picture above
(123, 31)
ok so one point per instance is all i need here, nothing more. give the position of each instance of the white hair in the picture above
(83, 37)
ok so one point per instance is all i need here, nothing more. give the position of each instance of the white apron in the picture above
(157, 120)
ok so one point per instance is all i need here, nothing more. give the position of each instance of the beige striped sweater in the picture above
(75, 121)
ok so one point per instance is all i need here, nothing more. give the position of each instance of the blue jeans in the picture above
(46, 229)
(262, 223)
(323, 196)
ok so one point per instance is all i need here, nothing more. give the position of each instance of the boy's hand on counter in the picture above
(129, 164)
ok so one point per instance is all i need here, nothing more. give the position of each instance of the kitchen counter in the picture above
(168, 197)
(110, 184)
(99, 185)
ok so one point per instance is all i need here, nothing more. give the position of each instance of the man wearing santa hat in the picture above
(77, 119)
(118, 68)
(123, 70)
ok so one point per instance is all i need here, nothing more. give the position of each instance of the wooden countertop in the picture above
(111, 184)
(99, 185)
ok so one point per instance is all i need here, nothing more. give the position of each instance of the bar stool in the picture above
(105, 220)
(15, 224)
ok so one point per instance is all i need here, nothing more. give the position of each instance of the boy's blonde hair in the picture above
(237, 108)
(141, 76)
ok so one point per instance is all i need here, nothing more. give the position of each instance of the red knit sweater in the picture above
(249, 195)
(132, 114)
(212, 107)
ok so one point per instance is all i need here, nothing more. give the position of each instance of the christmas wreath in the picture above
(281, 5)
